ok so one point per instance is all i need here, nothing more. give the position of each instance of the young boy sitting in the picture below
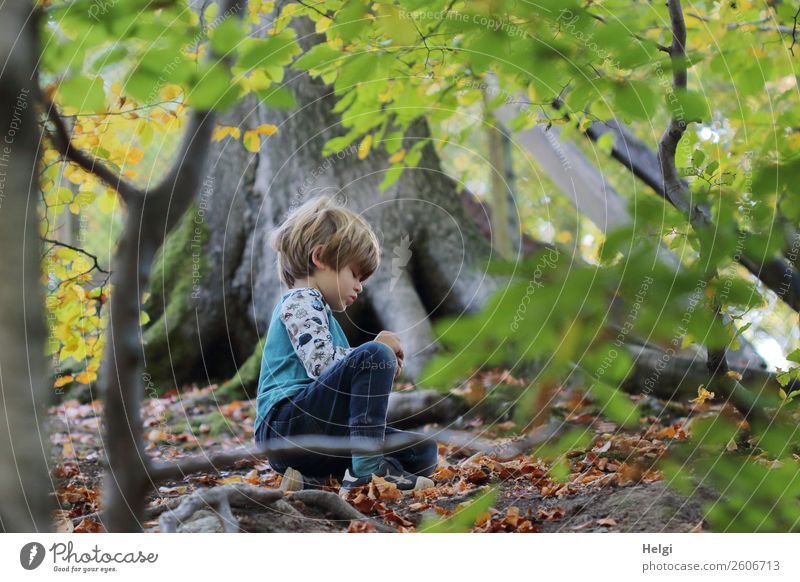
(311, 380)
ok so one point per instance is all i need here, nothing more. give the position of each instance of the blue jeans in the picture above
(349, 399)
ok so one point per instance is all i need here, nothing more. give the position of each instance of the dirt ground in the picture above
(613, 486)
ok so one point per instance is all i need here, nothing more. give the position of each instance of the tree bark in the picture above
(24, 394)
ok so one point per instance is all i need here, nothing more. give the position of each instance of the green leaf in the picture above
(687, 105)
(275, 51)
(227, 36)
(337, 144)
(463, 519)
(83, 93)
(605, 143)
(320, 56)
(635, 98)
(143, 86)
(277, 98)
(213, 89)
(711, 168)
(794, 356)
(573, 439)
(349, 21)
(393, 24)
(559, 470)
(108, 58)
(412, 157)
(615, 405)
(392, 175)
(698, 157)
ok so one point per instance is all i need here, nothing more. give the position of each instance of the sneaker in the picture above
(391, 470)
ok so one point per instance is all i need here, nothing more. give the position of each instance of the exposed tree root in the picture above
(221, 499)
(337, 507)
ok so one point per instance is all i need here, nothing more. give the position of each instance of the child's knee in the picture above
(379, 354)
(380, 349)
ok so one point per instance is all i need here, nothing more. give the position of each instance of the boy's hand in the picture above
(393, 341)
(399, 369)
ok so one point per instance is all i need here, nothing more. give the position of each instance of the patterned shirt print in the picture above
(304, 312)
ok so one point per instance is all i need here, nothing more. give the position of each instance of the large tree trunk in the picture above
(24, 395)
(432, 251)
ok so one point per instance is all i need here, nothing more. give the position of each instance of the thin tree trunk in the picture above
(501, 236)
(24, 394)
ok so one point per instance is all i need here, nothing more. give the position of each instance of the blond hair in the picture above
(344, 235)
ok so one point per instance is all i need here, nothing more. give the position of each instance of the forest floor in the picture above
(613, 486)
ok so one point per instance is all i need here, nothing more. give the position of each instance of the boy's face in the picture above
(340, 289)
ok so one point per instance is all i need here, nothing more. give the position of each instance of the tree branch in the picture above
(78, 250)
(678, 193)
(331, 445)
(63, 144)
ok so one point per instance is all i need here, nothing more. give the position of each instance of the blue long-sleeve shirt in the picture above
(303, 340)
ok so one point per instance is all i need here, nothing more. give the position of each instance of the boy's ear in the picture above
(315, 257)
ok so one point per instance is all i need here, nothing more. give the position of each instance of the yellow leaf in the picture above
(221, 131)
(291, 9)
(364, 146)
(251, 141)
(734, 375)
(564, 236)
(60, 381)
(107, 202)
(64, 195)
(233, 479)
(171, 91)
(76, 176)
(266, 129)
(386, 96)
(399, 155)
(259, 80)
(77, 290)
(143, 317)
(85, 197)
(158, 435)
(702, 395)
(323, 24)
(86, 377)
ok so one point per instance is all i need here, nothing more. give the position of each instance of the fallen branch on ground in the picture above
(342, 445)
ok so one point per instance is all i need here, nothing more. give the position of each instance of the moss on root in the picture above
(172, 281)
(245, 382)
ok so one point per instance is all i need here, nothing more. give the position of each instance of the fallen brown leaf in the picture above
(361, 526)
